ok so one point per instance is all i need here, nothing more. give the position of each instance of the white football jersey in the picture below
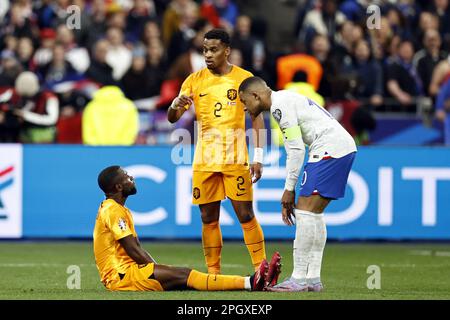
(319, 130)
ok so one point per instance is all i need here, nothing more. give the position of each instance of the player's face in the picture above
(128, 184)
(251, 102)
(215, 53)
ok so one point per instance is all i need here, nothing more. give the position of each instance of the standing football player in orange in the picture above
(221, 167)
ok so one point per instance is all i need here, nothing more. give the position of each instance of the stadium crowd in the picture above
(56, 55)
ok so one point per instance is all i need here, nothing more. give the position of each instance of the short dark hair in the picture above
(107, 178)
(219, 34)
(249, 82)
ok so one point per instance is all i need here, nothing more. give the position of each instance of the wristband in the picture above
(172, 105)
(258, 155)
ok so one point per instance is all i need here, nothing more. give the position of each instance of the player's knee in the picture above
(245, 216)
(183, 274)
(209, 218)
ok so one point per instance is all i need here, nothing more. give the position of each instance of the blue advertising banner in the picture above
(392, 193)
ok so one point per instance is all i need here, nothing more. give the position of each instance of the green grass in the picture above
(37, 270)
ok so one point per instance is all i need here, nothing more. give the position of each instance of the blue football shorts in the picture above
(327, 177)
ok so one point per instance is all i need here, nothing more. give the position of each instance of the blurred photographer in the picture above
(34, 110)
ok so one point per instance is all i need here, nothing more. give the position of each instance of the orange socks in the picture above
(212, 246)
(254, 240)
(214, 282)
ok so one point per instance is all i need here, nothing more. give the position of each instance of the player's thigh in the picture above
(171, 278)
(139, 278)
(314, 203)
(207, 187)
(238, 185)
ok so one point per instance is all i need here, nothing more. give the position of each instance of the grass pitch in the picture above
(38, 270)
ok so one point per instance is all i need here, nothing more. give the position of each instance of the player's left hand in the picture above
(256, 171)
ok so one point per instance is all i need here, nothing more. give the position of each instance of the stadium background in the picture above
(400, 183)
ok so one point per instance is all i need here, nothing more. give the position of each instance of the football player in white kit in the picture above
(330, 157)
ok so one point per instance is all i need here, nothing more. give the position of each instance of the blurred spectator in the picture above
(36, 109)
(118, 56)
(142, 12)
(397, 22)
(77, 56)
(403, 81)
(440, 74)
(220, 13)
(156, 68)
(97, 22)
(172, 17)
(82, 34)
(243, 40)
(193, 60)
(349, 35)
(354, 10)
(442, 10)
(10, 68)
(10, 43)
(182, 37)
(367, 75)
(320, 49)
(18, 22)
(381, 39)
(443, 109)
(43, 54)
(141, 81)
(236, 57)
(110, 119)
(427, 20)
(50, 14)
(58, 69)
(4, 7)
(25, 52)
(427, 59)
(324, 20)
(99, 70)
(151, 33)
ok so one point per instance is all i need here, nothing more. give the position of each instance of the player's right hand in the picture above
(287, 209)
(288, 216)
(183, 100)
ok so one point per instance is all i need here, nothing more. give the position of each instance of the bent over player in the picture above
(331, 154)
(221, 166)
(124, 265)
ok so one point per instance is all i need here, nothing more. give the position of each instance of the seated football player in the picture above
(124, 265)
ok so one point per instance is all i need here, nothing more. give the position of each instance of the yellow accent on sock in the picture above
(212, 246)
(214, 282)
(254, 240)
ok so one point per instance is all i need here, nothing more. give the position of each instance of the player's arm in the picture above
(135, 251)
(295, 150)
(258, 142)
(181, 103)
(178, 107)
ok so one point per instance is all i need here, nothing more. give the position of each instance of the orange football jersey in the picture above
(221, 144)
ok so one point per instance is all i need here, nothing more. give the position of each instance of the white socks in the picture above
(310, 239)
(316, 253)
